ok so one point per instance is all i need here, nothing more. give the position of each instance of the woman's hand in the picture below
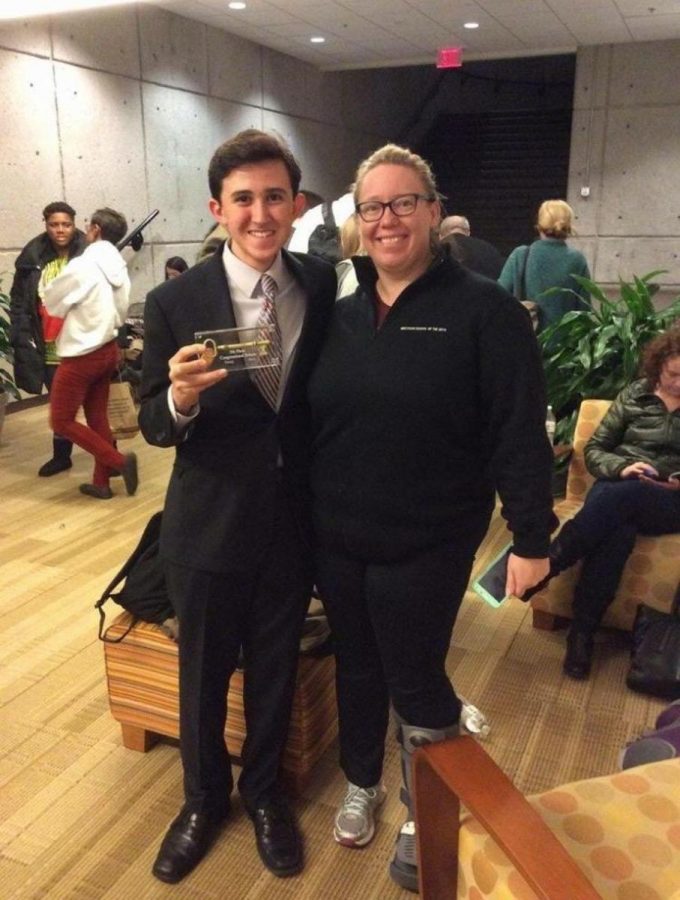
(189, 376)
(673, 484)
(524, 573)
(639, 469)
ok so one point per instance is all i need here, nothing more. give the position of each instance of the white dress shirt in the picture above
(247, 300)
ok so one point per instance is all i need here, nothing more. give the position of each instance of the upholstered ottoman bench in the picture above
(142, 676)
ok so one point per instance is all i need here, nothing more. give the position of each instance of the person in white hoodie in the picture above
(91, 295)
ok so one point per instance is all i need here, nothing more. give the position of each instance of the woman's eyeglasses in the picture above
(373, 210)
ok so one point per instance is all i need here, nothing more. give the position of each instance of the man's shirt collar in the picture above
(247, 278)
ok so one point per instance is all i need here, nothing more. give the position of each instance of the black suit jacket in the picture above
(220, 503)
(478, 255)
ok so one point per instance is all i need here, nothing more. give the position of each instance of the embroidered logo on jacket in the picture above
(422, 328)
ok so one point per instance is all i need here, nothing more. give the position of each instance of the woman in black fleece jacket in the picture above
(428, 397)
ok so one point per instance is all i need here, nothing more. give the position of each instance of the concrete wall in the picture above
(625, 148)
(124, 108)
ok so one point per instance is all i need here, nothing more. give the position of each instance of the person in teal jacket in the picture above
(548, 263)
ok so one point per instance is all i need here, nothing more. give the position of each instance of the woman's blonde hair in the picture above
(393, 155)
(555, 219)
(350, 239)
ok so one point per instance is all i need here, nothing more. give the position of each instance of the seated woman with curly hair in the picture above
(635, 456)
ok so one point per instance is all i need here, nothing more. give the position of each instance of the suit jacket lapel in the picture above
(215, 307)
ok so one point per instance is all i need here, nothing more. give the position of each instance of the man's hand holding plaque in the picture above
(240, 348)
(190, 373)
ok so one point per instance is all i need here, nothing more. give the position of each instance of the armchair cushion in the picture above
(615, 837)
(622, 830)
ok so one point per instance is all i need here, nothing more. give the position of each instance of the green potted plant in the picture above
(596, 352)
(7, 386)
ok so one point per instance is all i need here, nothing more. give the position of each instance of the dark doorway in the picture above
(497, 162)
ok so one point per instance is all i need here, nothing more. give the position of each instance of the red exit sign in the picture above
(450, 58)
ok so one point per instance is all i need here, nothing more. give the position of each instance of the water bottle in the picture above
(550, 423)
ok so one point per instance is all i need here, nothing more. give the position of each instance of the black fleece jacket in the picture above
(417, 424)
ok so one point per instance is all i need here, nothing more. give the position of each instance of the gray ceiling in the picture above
(362, 33)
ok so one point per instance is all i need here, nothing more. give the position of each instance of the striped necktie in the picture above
(269, 378)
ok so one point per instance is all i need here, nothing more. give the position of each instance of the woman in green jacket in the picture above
(635, 456)
(548, 263)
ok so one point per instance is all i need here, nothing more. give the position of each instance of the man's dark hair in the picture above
(58, 207)
(113, 224)
(250, 146)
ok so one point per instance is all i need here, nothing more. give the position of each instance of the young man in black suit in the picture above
(234, 538)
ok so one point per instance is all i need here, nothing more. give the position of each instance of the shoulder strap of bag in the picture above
(328, 217)
(523, 276)
(150, 533)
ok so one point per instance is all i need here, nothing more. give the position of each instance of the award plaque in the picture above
(241, 348)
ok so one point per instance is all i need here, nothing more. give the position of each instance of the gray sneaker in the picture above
(355, 820)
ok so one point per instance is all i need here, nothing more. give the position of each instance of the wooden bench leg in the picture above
(137, 738)
(544, 620)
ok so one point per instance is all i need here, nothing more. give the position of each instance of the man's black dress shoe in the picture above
(579, 655)
(185, 844)
(278, 839)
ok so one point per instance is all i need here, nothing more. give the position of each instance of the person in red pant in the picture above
(92, 296)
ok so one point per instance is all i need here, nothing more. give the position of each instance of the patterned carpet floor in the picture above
(81, 817)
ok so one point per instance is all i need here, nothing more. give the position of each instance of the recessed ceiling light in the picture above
(236, 5)
(471, 25)
(318, 40)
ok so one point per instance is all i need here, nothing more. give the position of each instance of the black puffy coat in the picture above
(636, 427)
(26, 335)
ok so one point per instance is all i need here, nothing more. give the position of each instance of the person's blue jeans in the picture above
(614, 513)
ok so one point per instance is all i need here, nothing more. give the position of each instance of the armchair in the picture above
(614, 837)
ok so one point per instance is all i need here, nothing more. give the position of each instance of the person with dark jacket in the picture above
(235, 538)
(635, 456)
(427, 398)
(32, 330)
(472, 252)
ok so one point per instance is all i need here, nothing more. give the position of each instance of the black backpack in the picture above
(324, 241)
(144, 594)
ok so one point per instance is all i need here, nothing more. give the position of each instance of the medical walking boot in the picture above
(404, 865)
